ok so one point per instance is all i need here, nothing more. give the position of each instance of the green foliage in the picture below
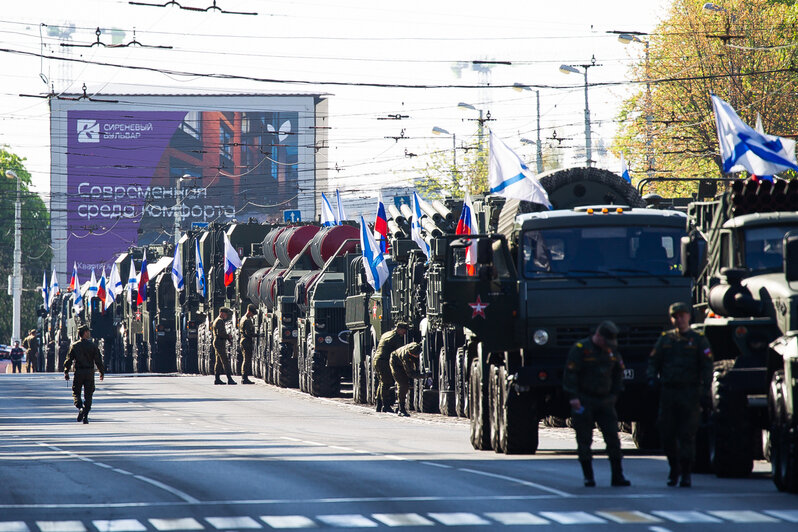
(36, 252)
(440, 178)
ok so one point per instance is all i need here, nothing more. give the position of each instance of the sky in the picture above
(341, 48)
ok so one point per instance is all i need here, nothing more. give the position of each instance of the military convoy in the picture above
(494, 337)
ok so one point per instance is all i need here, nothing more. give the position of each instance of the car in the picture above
(5, 352)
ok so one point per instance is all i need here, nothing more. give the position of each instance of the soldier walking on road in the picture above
(85, 356)
(31, 343)
(681, 363)
(247, 343)
(220, 340)
(593, 378)
(389, 342)
(404, 366)
(16, 358)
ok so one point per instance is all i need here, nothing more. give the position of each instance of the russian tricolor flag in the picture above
(144, 278)
(467, 225)
(381, 227)
(74, 280)
(232, 261)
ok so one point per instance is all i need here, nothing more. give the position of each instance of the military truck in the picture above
(129, 344)
(187, 315)
(742, 252)
(545, 280)
(157, 313)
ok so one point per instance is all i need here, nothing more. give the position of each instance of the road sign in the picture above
(401, 200)
(198, 225)
(293, 215)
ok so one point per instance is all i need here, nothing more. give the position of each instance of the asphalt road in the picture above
(166, 453)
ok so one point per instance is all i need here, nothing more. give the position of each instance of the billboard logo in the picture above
(88, 131)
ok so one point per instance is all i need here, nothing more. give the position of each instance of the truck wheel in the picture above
(324, 381)
(446, 386)
(496, 401)
(646, 435)
(519, 420)
(459, 384)
(479, 408)
(783, 448)
(371, 379)
(730, 448)
(359, 382)
(285, 371)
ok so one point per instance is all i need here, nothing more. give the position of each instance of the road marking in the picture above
(517, 481)
(229, 523)
(687, 517)
(14, 526)
(288, 521)
(517, 518)
(61, 526)
(106, 466)
(121, 471)
(394, 457)
(119, 525)
(744, 516)
(340, 448)
(573, 518)
(433, 464)
(458, 518)
(629, 517)
(402, 519)
(788, 515)
(308, 442)
(289, 439)
(659, 529)
(174, 491)
(185, 523)
(347, 520)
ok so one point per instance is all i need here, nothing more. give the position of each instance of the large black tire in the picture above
(646, 435)
(324, 381)
(519, 420)
(479, 408)
(285, 369)
(730, 432)
(460, 385)
(783, 438)
(446, 385)
(359, 382)
(139, 357)
(572, 187)
(496, 399)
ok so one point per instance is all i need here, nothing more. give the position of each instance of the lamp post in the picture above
(627, 38)
(568, 69)
(16, 282)
(440, 131)
(521, 87)
(179, 206)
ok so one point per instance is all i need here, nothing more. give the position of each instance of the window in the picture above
(225, 146)
(192, 124)
(763, 247)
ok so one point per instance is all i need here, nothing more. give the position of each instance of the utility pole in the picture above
(16, 282)
(539, 145)
(567, 69)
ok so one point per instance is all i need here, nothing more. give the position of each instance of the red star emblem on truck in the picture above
(479, 308)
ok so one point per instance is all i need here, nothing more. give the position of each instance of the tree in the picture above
(744, 55)
(36, 251)
(439, 177)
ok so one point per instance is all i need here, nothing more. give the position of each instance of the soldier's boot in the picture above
(85, 416)
(673, 476)
(246, 380)
(230, 379)
(587, 472)
(80, 415)
(686, 480)
(403, 411)
(218, 380)
(618, 480)
(379, 404)
(387, 409)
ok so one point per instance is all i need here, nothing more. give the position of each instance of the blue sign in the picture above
(199, 225)
(401, 200)
(291, 216)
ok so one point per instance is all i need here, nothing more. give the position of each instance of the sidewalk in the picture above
(5, 366)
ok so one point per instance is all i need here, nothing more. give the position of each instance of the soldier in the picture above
(31, 343)
(247, 340)
(85, 356)
(220, 339)
(593, 378)
(682, 361)
(404, 366)
(389, 342)
(16, 357)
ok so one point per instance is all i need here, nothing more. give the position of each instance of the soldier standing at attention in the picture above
(247, 343)
(16, 358)
(682, 361)
(31, 343)
(389, 342)
(404, 366)
(85, 355)
(593, 378)
(220, 339)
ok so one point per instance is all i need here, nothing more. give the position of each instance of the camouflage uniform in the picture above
(683, 363)
(247, 343)
(389, 342)
(85, 355)
(31, 343)
(220, 338)
(404, 366)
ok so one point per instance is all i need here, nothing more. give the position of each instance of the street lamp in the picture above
(179, 206)
(627, 38)
(440, 131)
(481, 129)
(571, 69)
(17, 276)
(520, 87)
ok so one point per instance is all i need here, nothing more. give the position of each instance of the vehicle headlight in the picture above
(328, 339)
(293, 333)
(540, 337)
(320, 325)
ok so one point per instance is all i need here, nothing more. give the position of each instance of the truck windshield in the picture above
(763, 247)
(615, 251)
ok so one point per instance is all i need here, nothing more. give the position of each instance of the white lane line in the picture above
(790, 516)
(517, 481)
(433, 464)
(317, 444)
(174, 491)
(288, 521)
(659, 529)
(402, 519)
(517, 518)
(289, 439)
(106, 466)
(629, 517)
(744, 516)
(233, 523)
(340, 448)
(121, 471)
(185, 523)
(458, 518)
(61, 526)
(687, 517)
(394, 457)
(14, 526)
(119, 525)
(573, 518)
(347, 520)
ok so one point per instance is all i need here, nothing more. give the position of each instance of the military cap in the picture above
(414, 348)
(227, 310)
(32, 331)
(402, 325)
(678, 307)
(252, 308)
(82, 329)
(609, 331)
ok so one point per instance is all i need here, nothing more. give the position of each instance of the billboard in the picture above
(124, 172)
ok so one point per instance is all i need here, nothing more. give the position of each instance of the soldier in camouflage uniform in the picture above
(593, 378)
(389, 342)
(85, 355)
(247, 343)
(404, 366)
(220, 339)
(681, 363)
(31, 343)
